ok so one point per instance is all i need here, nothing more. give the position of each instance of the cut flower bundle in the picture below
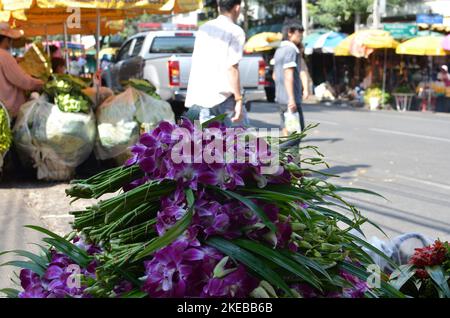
(181, 229)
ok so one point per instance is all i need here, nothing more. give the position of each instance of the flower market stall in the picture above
(431, 47)
(363, 44)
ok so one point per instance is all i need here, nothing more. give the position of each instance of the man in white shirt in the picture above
(214, 84)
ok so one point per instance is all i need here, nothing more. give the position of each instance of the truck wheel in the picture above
(178, 108)
(248, 106)
(270, 94)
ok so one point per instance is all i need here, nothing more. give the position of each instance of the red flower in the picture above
(422, 274)
(430, 255)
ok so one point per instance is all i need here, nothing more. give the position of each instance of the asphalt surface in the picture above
(403, 156)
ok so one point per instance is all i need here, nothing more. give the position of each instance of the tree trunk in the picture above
(357, 21)
(246, 13)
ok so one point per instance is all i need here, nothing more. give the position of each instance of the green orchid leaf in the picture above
(438, 276)
(251, 261)
(252, 206)
(281, 260)
(171, 235)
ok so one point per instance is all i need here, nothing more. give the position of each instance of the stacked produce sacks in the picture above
(56, 133)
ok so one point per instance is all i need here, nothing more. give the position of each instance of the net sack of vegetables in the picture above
(53, 141)
(5, 134)
(66, 92)
(122, 118)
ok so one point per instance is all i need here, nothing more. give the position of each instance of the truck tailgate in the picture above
(249, 71)
(185, 69)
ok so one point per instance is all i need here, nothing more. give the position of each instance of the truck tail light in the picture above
(262, 73)
(174, 73)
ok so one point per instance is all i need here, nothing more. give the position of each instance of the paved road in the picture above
(403, 156)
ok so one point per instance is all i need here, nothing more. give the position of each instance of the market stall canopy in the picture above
(61, 15)
(363, 43)
(162, 6)
(325, 43)
(86, 28)
(424, 45)
(56, 11)
(261, 42)
(313, 36)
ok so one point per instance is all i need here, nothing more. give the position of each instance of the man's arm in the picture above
(235, 53)
(235, 82)
(289, 84)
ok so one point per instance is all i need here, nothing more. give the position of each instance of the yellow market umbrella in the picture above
(262, 42)
(423, 45)
(366, 41)
(362, 43)
(343, 48)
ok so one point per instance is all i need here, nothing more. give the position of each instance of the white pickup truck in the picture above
(164, 59)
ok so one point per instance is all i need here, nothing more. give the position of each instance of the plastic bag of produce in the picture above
(53, 141)
(122, 118)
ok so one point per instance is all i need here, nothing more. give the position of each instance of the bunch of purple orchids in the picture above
(187, 267)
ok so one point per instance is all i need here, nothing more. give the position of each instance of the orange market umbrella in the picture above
(86, 28)
(152, 7)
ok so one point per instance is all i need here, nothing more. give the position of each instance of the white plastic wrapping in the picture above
(292, 121)
(123, 117)
(54, 142)
(399, 249)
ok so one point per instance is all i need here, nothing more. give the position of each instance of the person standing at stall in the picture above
(444, 76)
(214, 84)
(13, 79)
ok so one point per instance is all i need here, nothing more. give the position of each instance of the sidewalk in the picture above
(14, 214)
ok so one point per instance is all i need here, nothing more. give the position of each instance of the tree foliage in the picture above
(334, 13)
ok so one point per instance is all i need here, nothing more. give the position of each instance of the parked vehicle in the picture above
(164, 59)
